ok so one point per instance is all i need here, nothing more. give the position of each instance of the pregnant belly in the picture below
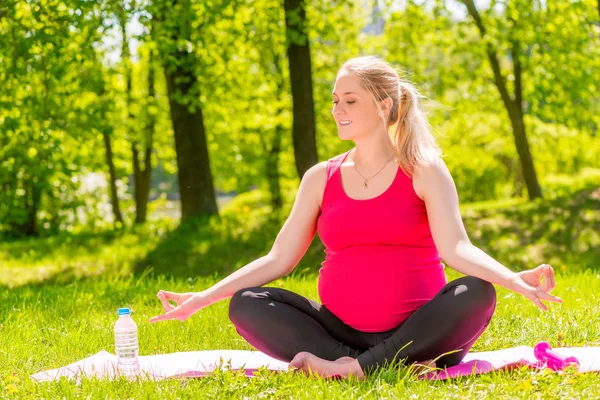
(377, 295)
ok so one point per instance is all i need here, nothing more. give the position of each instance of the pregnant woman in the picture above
(387, 212)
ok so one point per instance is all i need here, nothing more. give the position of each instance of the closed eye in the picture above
(348, 102)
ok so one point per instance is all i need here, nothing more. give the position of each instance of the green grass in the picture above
(58, 300)
(46, 326)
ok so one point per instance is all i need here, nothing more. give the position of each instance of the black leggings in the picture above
(281, 324)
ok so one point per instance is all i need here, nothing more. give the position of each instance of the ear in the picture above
(386, 107)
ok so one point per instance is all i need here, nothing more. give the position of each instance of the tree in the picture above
(174, 22)
(512, 103)
(298, 52)
(142, 161)
(46, 51)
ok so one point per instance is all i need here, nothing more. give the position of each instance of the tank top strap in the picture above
(333, 183)
(333, 164)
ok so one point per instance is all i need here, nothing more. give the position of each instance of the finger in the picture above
(171, 295)
(165, 303)
(538, 303)
(552, 281)
(166, 316)
(548, 297)
(539, 270)
(549, 282)
(546, 285)
(157, 318)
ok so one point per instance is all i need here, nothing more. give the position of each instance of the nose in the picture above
(337, 110)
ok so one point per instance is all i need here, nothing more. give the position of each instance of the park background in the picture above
(159, 145)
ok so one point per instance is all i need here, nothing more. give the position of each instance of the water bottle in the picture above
(126, 344)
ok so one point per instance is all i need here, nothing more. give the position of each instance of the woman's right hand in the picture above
(187, 305)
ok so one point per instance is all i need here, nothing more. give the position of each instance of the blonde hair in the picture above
(413, 141)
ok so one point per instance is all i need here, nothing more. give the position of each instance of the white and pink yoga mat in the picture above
(201, 363)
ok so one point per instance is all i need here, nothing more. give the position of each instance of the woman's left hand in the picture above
(529, 284)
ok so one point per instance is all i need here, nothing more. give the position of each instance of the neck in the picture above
(372, 152)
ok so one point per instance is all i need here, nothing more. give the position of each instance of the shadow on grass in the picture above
(218, 245)
(563, 232)
(59, 259)
(62, 277)
(37, 248)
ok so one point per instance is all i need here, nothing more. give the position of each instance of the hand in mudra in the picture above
(536, 284)
(187, 305)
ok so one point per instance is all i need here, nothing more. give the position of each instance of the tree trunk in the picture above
(197, 193)
(32, 208)
(32, 199)
(518, 127)
(142, 176)
(141, 182)
(272, 169)
(298, 51)
(274, 150)
(194, 175)
(114, 197)
(514, 106)
(520, 138)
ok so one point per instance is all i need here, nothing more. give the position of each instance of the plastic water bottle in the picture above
(126, 344)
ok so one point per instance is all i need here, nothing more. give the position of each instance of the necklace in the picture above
(365, 184)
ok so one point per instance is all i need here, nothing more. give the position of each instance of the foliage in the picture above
(561, 230)
(46, 106)
(60, 93)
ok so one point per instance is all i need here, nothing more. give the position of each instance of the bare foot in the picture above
(341, 368)
(344, 359)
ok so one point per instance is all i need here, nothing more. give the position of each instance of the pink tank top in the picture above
(381, 263)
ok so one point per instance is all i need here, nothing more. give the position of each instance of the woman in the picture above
(387, 212)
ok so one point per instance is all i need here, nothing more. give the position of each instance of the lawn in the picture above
(59, 296)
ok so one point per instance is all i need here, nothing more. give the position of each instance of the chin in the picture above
(345, 135)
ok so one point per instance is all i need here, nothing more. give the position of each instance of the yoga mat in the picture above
(514, 357)
(163, 366)
(201, 363)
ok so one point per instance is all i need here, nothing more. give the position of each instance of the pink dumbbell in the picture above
(543, 352)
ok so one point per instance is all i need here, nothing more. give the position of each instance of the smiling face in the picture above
(354, 111)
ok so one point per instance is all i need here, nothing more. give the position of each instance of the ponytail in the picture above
(415, 144)
(411, 136)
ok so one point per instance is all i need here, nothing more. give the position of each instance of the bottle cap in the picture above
(124, 311)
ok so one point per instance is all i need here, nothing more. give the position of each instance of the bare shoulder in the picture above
(314, 180)
(432, 173)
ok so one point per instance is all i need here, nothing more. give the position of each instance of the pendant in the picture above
(365, 185)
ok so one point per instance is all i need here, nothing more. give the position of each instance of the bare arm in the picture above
(289, 247)
(291, 243)
(434, 184)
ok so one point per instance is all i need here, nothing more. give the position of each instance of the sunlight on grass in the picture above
(48, 326)
(59, 297)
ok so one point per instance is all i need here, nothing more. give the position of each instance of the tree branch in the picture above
(515, 51)
(492, 56)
